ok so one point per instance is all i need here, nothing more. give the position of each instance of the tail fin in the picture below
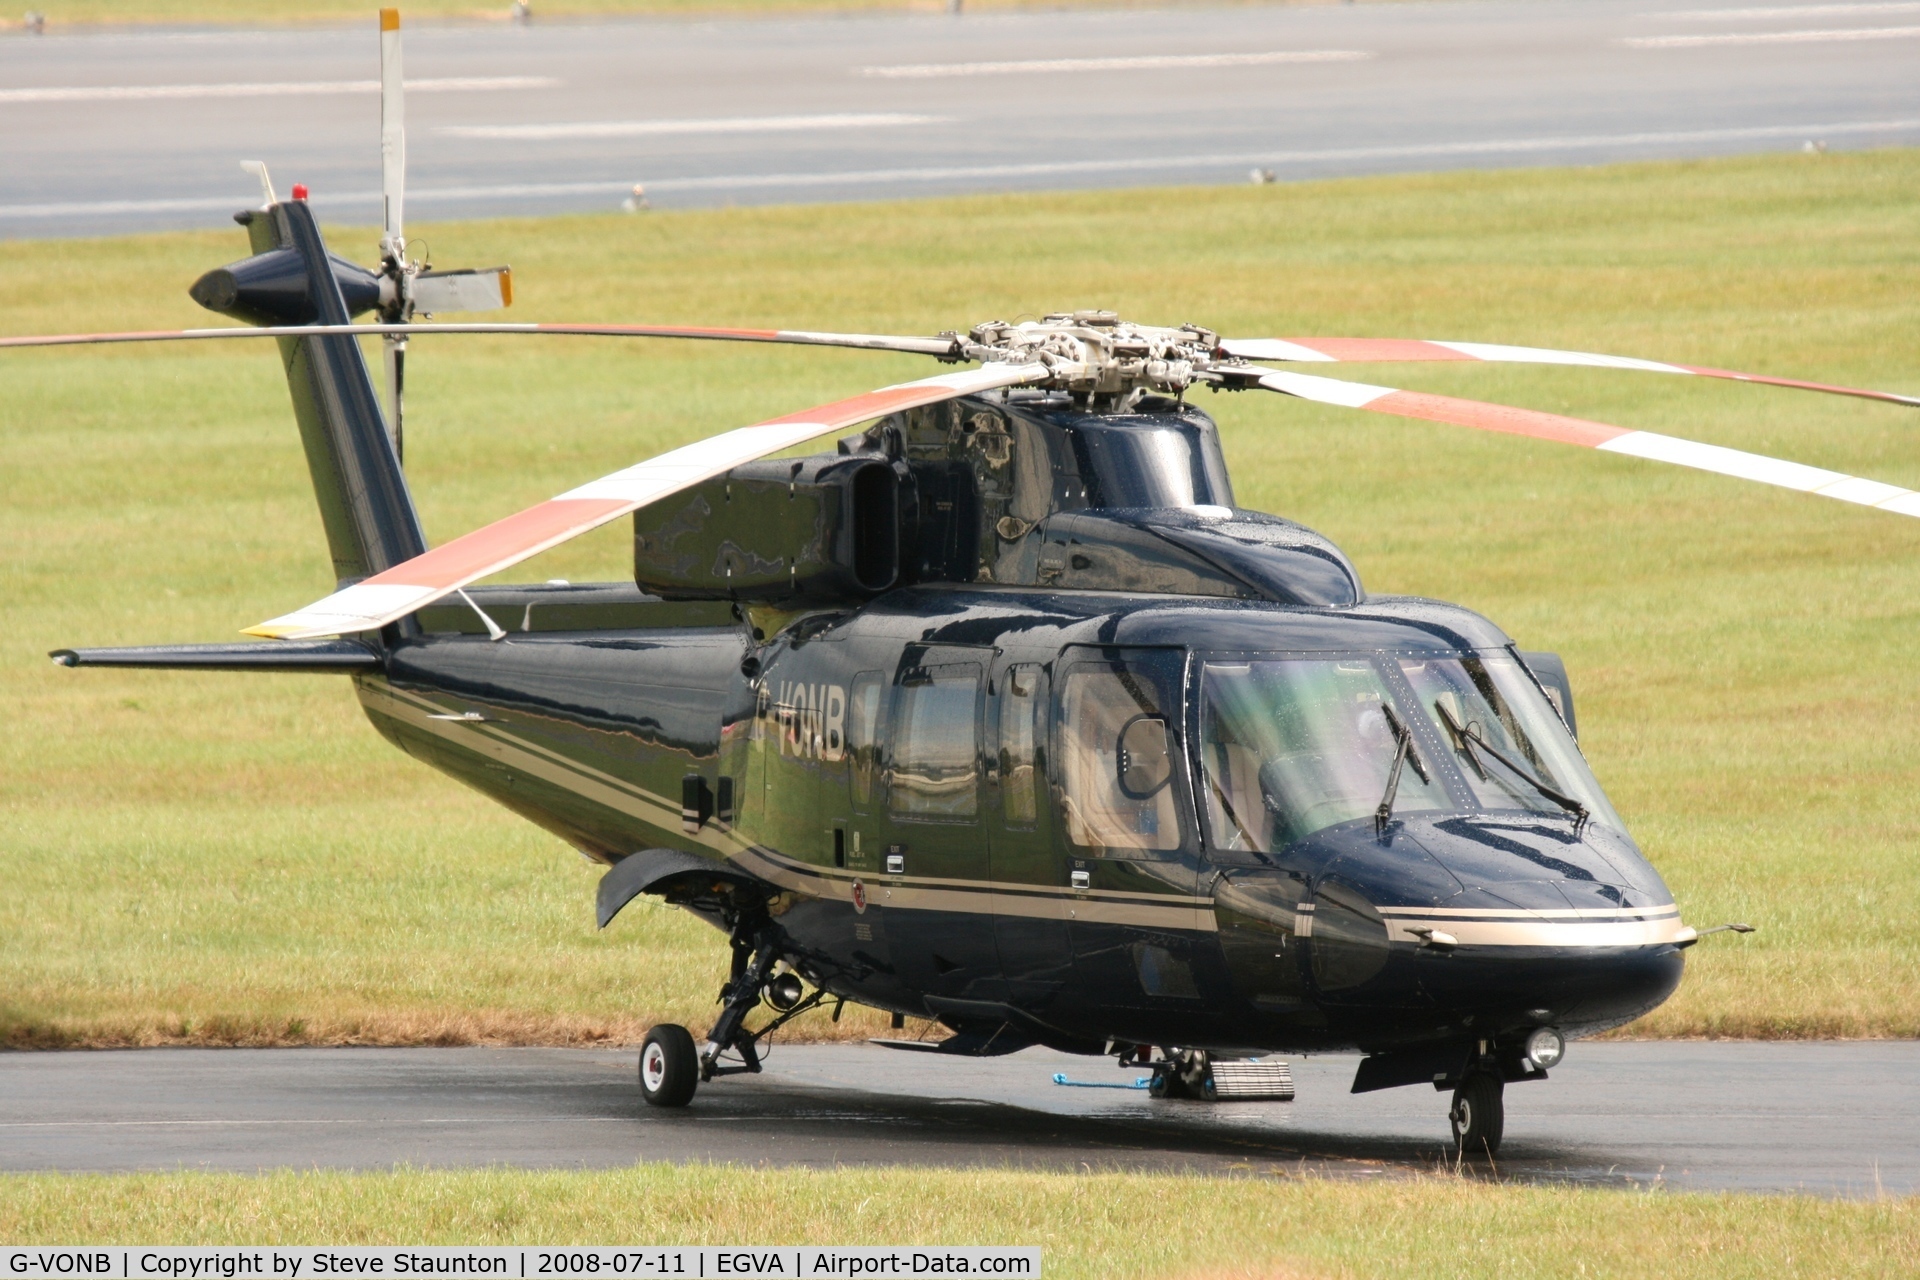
(291, 279)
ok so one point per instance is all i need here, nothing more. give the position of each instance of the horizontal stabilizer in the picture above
(244, 655)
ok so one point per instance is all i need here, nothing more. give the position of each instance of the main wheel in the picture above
(1479, 1114)
(669, 1066)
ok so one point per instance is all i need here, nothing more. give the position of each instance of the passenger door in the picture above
(934, 863)
(1027, 863)
(1126, 821)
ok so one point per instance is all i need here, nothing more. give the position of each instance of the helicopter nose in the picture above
(1534, 921)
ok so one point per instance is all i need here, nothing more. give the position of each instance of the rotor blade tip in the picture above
(389, 19)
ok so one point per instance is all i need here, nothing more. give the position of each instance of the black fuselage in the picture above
(869, 766)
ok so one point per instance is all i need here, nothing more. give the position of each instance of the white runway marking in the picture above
(942, 173)
(1144, 62)
(1846, 34)
(283, 89)
(653, 128)
(1791, 11)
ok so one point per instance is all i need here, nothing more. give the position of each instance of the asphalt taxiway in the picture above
(1828, 1119)
(135, 130)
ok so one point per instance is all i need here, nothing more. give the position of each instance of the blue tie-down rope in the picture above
(1140, 1082)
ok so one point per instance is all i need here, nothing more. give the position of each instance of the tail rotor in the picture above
(408, 286)
(394, 267)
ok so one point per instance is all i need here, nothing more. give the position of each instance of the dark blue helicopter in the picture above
(1004, 713)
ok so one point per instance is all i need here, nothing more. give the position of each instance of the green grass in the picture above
(232, 858)
(1095, 1225)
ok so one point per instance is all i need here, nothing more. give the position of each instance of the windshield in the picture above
(1496, 702)
(1291, 746)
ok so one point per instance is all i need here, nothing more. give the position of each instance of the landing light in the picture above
(1545, 1048)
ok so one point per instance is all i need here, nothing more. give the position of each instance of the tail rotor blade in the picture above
(393, 135)
(396, 352)
(480, 290)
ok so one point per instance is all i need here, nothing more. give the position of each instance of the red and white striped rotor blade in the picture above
(1595, 435)
(388, 596)
(944, 347)
(1395, 350)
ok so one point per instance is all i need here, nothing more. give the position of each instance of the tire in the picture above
(1479, 1115)
(669, 1067)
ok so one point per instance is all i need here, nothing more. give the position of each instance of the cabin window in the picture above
(1022, 699)
(1116, 762)
(936, 749)
(863, 735)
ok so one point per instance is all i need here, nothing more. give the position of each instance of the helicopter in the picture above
(1002, 713)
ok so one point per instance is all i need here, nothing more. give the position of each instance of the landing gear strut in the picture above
(1479, 1114)
(670, 1066)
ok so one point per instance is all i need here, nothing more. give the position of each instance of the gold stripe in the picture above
(1552, 933)
(906, 893)
(1531, 913)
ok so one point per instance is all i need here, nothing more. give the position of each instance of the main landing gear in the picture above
(671, 1068)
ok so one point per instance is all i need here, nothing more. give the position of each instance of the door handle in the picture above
(1082, 879)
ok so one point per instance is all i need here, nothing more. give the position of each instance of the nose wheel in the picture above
(1479, 1115)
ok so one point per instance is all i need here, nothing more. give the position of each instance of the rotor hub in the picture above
(1098, 356)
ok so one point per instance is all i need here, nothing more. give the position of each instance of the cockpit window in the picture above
(1116, 762)
(1293, 746)
(1489, 702)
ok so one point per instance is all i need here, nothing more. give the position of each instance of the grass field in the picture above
(1093, 1225)
(240, 859)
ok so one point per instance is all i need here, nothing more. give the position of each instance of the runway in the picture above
(135, 130)
(1827, 1119)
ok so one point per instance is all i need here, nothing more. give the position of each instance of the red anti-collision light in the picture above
(299, 191)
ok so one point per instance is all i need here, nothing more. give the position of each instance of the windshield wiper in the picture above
(1403, 754)
(1469, 737)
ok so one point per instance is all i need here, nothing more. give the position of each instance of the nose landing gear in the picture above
(1478, 1115)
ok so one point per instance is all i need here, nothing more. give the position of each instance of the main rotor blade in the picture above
(393, 135)
(388, 596)
(945, 348)
(1394, 350)
(1596, 435)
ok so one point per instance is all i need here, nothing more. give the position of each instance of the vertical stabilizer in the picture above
(291, 279)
